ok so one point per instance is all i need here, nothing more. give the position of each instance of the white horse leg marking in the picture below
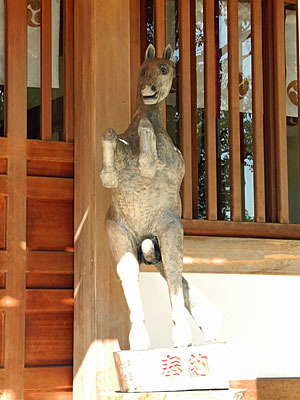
(128, 271)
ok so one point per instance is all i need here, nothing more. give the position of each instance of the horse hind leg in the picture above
(108, 174)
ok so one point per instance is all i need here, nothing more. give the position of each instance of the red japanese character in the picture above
(198, 366)
(171, 366)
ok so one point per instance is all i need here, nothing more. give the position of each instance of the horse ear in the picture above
(168, 53)
(150, 52)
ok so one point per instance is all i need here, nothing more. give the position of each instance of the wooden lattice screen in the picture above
(269, 132)
(36, 218)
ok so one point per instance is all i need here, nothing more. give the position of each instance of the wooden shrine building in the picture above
(68, 71)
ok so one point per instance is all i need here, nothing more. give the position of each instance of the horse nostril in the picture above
(153, 88)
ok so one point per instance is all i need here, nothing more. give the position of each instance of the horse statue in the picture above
(144, 171)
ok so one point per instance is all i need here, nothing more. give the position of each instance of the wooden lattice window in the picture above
(235, 112)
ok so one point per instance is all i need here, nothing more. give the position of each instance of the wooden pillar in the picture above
(102, 51)
(16, 121)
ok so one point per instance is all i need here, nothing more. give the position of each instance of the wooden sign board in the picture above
(190, 368)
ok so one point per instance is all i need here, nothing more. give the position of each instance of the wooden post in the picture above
(16, 121)
(102, 72)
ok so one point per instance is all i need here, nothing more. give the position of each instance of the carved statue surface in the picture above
(144, 171)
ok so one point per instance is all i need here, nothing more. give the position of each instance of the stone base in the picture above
(230, 394)
(175, 369)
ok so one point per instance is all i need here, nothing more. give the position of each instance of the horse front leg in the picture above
(124, 250)
(108, 174)
(147, 150)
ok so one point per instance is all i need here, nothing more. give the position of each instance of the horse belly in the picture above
(140, 204)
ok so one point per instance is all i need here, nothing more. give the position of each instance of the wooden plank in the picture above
(54, 151)
(50, 158)
(49, 300)
(280, 114)
(16, 109)
(184, 9)
(257, 106)
(274, 389)
(46, 71)
(42, 280)
(3, 147)
(49, 270)
(210, 111)
(54, 262)
(49, 338)
(234, 113)
(50, 224)
(48, 378)
(243, 229)
(3, 185)
(50, 188)
(68, 54)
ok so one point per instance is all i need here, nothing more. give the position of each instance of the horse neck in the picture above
(152, 112)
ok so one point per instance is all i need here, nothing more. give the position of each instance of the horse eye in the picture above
(143, 72)
(164, 69)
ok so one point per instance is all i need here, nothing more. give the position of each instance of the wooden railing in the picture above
(270, 160)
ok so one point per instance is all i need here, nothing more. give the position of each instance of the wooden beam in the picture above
(280, 114)
(68, 67)
(209, 254)
(16, 121)
(257, 106)
(243, 229)
(210, 111)
(46, 71)
(234, 112)
(184, 10)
